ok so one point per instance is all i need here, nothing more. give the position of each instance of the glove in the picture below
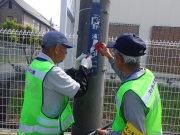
(78, 61)
(87, 62)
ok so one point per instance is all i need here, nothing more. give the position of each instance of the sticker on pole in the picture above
(94, 34)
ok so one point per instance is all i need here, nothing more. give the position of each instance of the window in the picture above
(10, 18)
(33, 23)
(10, 4)
(40, 29)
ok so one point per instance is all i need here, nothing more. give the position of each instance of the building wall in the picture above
(70, 28)
(117, 29)
(165, 33)
(145, 13)
(28, 20)
(69, 16)
(77, 7)
(36, 24)
(69, 25)
(14, 13)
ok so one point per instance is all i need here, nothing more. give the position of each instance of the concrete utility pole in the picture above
(88, 109)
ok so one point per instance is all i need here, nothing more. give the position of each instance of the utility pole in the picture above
(88, 109)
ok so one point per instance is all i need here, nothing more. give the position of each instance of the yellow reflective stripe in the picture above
(130, 129)
(48, 122)
(39, 129)
(36, 73)
(149, 91)
(67, 122)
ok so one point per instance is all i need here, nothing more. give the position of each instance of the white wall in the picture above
(66, 24)
(69, 27)
(77, 7)
(146, 13)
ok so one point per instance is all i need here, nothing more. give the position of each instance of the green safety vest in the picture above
(33, 121)
(145, 86)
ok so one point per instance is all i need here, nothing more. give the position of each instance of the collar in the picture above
(135, 74)
(42, 55)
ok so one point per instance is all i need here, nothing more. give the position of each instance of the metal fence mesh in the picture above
(18, 48)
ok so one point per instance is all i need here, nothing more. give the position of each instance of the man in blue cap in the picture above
(46, 109)
(138, 104)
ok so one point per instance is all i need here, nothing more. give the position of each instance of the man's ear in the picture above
(120, 61)
(56, 49)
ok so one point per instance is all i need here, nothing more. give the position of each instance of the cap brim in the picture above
(110, 45)
(69, 45)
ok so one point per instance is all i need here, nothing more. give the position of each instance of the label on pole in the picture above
(94, 34)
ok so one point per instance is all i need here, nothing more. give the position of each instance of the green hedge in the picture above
(13, 36)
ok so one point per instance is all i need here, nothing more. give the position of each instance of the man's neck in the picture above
(128, 71)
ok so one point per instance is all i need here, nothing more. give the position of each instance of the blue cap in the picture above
(52, 38)
(129, 44)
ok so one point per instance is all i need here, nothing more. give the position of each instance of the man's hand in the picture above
(87, 62)
(78, 61)
(103, 50)
(102, 132)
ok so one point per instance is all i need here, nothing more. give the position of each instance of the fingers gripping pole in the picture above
(105, 127)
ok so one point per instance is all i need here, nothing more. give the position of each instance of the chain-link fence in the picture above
(18, 48)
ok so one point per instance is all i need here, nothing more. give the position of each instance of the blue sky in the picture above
(48, 8)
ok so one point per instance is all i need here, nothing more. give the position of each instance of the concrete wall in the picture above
(146, 13)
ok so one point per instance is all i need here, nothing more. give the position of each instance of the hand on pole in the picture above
(101, 131)
(87, 62)
(78, 61)
(103, 50)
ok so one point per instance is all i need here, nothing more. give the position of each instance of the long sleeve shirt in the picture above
(56, 85)
(132, 106)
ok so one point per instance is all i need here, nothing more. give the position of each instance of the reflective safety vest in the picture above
(33, 121)
(145, 86)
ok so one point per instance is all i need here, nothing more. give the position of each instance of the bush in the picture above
(12, 24)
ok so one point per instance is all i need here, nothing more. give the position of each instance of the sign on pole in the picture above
(94, 34)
